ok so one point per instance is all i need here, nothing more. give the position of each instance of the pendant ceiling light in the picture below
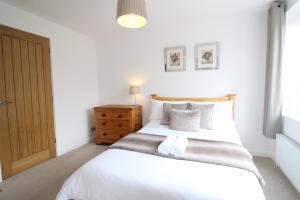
(132, 13)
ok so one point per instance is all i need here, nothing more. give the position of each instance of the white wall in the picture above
(74, 74)
(136, 57)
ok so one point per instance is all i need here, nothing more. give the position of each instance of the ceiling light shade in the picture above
(132, 13)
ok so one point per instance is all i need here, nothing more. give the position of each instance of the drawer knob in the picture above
(103, 115)
(104, 123)
(120, 125)
(104, 134)
(120, 116)
(121, 135)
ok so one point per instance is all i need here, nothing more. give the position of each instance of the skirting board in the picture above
(70, 148)
(261, 154)
(253, 153)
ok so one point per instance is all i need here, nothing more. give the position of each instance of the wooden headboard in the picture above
(229, 97)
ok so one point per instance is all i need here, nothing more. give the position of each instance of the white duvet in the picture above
(124, 175)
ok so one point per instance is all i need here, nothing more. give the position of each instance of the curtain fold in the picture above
(273, 91)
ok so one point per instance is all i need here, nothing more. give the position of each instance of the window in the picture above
(291, 63)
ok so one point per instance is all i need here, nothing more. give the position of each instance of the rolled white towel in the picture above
(164, 147)
(179, 146)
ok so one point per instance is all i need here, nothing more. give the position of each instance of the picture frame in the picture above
(175, 59)
(207, 56)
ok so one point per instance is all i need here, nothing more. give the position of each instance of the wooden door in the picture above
(26, 111)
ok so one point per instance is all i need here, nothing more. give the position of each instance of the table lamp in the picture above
(134, 90)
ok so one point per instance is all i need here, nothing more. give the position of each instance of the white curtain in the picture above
(273, 92)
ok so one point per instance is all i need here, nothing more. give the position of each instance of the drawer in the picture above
(121, 115)
(112, 124)
(104, 124)
(103, 114)
(113, 114)
(121, 124)
(111, 134)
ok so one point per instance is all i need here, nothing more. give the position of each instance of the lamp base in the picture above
(135, 104)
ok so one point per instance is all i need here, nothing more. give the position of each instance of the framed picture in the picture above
(175, 59)
(207, 56)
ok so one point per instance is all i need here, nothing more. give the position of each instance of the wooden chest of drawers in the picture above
(116, 121)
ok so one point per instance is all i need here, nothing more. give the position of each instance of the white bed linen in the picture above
(226, 132)
(124, 175)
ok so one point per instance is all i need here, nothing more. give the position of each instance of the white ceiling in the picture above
(93, 17)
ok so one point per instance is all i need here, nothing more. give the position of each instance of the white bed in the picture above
(227, 132)
(125, 175)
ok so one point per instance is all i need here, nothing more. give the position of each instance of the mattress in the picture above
(125, 175)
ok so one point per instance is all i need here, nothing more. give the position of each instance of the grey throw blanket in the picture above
(206, 151)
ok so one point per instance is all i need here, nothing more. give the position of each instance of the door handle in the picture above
(4, 103)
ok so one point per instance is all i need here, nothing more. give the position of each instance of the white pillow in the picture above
(222, 113)
(156, 112)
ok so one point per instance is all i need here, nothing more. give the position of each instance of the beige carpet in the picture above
(44, 181)
(277, 186)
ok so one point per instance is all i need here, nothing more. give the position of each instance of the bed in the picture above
(126, 175)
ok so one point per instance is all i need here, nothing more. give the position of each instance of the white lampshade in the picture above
(134, 90)
(132, 13)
